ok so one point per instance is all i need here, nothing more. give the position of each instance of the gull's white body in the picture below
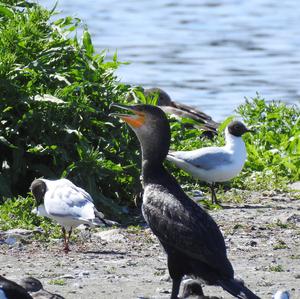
(213, 164)
(67, 204)
(281, 295)
(2, 294)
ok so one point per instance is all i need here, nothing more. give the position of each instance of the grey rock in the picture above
(10, 240)
(295, 186)
(83, 273)
(112, 235)
(295, 219)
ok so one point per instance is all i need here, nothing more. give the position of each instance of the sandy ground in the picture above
(262, 235)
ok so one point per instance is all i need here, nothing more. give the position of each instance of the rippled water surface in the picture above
(210, 54)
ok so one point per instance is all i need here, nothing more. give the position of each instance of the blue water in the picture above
(210, 54)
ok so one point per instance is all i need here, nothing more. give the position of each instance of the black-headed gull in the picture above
(64, 202)
(215, 164)
(11, 290)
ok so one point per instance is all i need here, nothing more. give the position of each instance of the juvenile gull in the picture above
(215, 164)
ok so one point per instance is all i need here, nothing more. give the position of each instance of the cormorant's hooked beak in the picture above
(135, 120)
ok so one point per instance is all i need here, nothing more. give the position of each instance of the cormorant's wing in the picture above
(181, 224)
(206, 158)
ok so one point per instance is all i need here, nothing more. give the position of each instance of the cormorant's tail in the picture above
(237, 289)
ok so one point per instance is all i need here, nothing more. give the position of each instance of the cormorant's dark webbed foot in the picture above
(175, 288)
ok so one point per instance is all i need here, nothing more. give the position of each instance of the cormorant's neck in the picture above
(152, 171)
(156, 174)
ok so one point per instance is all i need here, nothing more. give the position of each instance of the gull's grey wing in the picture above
(204, 158)
(67, 201)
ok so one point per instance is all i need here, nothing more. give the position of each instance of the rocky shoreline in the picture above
(262, 235)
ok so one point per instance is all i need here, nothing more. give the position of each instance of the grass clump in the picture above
(16, 213)
(280, 245)
(276, 268)
(58, 282)
(274, 149)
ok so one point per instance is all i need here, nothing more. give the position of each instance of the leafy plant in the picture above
(55, 93)
(58, 282)
(274, 149)
(16, 213)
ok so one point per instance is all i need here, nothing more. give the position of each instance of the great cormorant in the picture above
(191, 238)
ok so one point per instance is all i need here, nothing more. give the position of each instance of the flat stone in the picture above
(10, 241)
(19, 232)
(295, 186)
(112, 235)
(295, 218)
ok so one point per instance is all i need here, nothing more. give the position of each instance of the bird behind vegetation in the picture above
(200, 119)
(190, 237)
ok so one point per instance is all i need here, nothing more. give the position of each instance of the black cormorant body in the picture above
(35, 287)
(192, 240)
(11, 290)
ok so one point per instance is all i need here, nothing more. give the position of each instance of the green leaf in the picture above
(48, 98)
(4, 141)
(6, 12)
(87, 42)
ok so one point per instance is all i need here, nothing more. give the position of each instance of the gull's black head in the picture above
(237, 128)
(192, 288)
(31, 284)
(151, 126)
(38, 189)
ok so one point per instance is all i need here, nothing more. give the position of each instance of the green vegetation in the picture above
(134, 229)
(276, 268)
(280, 245)
(274, 150)
(55, 92)
(16, 213)
(58, 282)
